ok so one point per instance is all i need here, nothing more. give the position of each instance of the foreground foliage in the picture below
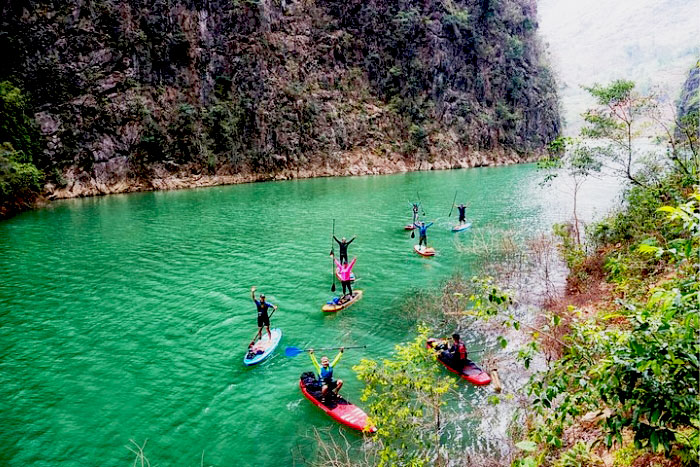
(406, 393)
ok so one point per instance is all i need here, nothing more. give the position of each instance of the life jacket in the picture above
(326, 374)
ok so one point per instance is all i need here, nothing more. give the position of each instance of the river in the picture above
(126, 317)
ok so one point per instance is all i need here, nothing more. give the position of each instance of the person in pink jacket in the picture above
(344, 271)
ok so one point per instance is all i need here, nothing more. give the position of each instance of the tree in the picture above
(617, 120)
(405, 395)
(577, 160)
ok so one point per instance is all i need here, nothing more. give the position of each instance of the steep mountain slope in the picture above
(143, 95)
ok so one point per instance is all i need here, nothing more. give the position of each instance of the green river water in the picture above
(126, 317)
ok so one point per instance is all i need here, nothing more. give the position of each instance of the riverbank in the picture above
(360, 162)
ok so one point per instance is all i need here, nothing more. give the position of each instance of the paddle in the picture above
(333, 258)
(294, 351)
(260, 330)
(421, 203)
(453, 204)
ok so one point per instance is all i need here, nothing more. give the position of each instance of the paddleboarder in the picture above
(263, 317)
(415, 212)
(345, 272)
(462, 209)
(325, 373)
(423, 233)
(343, 247)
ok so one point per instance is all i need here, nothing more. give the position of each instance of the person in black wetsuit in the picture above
(263, 317)
(415, 212)
(343, 246)
(462, 213)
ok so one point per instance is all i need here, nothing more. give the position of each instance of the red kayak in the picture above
(338, 408)
(471, 371)
(409, 227)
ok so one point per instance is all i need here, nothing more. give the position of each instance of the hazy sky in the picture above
(653, 42)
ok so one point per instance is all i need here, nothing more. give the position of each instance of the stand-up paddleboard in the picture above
(333, 307)
(352, 275)
(471, 371)
(335, 406)
(263, 348)
(424, 250)
(461, 227)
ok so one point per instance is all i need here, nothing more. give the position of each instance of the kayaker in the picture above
(456, 355)
(343, 247)
(345, 274)
(422, 231)
(325, 373)
(263, 317)
(415, 212)
(462, 209)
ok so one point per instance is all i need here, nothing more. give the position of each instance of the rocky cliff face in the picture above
(689, 102)
(143, 95)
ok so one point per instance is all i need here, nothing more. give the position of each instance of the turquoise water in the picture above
(126, 317)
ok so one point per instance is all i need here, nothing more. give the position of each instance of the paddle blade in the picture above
(413, 234)
(292, 351)
(333, 287)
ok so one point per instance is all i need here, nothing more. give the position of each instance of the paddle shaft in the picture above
(336, 348)
(333, 258)
(453, 204)
(421, 203)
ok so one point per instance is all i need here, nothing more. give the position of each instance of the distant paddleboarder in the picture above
(462, 209)
(263, 316)
(415, 212)
(343, 246)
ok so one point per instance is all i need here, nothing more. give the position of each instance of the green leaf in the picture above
(502, 342)
(529, 446)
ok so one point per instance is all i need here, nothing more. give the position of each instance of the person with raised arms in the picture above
(263, 316)
(345, 275)
(423, 233)
(324, 372)
(343, 247)
(462, 209)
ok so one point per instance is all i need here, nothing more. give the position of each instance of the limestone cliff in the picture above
(169, 93)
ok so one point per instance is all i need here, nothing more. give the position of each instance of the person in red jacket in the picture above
(457, 353)
(344, 272)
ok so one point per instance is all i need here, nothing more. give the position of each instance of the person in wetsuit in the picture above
(462, 209)
(343, 246)
(324, 372)
(456, 355)
(423, 233)
(415, 212)
(263, 316)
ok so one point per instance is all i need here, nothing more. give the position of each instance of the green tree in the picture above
(617, 120)
(406, 394)
(578, 161)
(20, 180)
